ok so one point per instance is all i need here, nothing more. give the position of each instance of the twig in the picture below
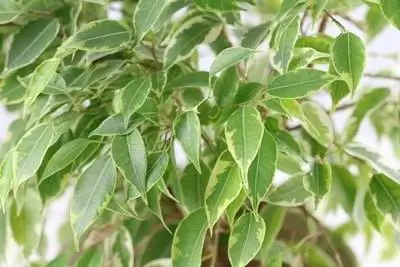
(340, 25)
(215, 246)
(358, 24)
(322, 25)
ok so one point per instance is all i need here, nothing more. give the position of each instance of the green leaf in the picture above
(223, 187)
(100, 35)
(299, 84)
(243, 133)
(31, 150)
(187, 131)
(375, 21)
(184, 42)
(246, 239)
(93, 192)
(321, 42)
(157, 164)
(290, 193)
(41, 77)
(222, 5)
(375, 160)
(386, 195)
(30, 42)
(129, 154)
(289, 9)
(226, 86)
(368, 102)
(122, 249)
(6, 177)
(255, 36)
(90, 258)
(13, 92)
(390, 9)
(348, 58)
(26, 221)
(9, 11)
(319, 182)
(228, 58)
(153, 200)
(234, 207)
(64, 156)
(146, 15)
(317, 6)
(188, 241)
(344, 187)
(133, 96)
(285, 40)
(115, 125)
(262, 170)
(373, 214)
(189, 80)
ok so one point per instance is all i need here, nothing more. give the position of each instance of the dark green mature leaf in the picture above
(226, 86)
(153, 199)
(129, 154)
(246, 239)
(319, 182)
(115, 125)
(146, 15)
(92, 257)
(290, 193)
(187, 131)
(228, 58)
(368, 102)
(234, 208)
(100, 35)
(243, 134)
(31, 150)
(9, 11)
(92, 194)
(157, 164)
(189, 80)
(390, 9)
(223, 187)
(187, 245)
(133, 96)
(30, 42)
(299, 84)
(183, 42)
(64, 156)
(348, 58)
(262, 170)
(386, 195)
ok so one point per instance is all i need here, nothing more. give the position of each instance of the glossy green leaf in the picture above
(64, 156)
(226, 86)
(129, 154)
(390, 9)
(223, 187)
(93, 191)
(243, 133)
(255, 36)
(31, 150)
(188, 241)
(187, 131)
(228, 58)
(348, 58)
(133, 96)
(290, 193)
(262, 170)
(146, 15)
(100, 35)
(30, 42)
(157, 164)
(319, 182)
(183, 42)
(246, 239)
(234, 207)
(115, 125)
(299, 84)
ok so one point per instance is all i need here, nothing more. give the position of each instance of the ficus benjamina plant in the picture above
(193, 133)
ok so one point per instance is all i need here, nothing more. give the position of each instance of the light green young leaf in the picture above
(188, 241)
(9, 11)
(42, 76)
(115, 125)
(375, 160)
(31, 150)
(319, 182)
(146, 15)
(289, 164)
(289, 194)
(129, 154)
(30, 42)
(64, 156)
(187, 131)
(13, 92)
(6, 178)
(26, 221)
(93, 192)
(100, 35)
(391, 9)
(228, 58)
(234, 208)
(299, 84)
(243, 133)
(262, 170)
(223, 187)
(373, 214)
(133, 96)
(348, 58)
(157, 164)
(385, 194)
(368, 102)
(285, 40)
(183, 42)
(246, 239)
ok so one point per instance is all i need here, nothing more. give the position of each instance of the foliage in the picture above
(166, 164)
